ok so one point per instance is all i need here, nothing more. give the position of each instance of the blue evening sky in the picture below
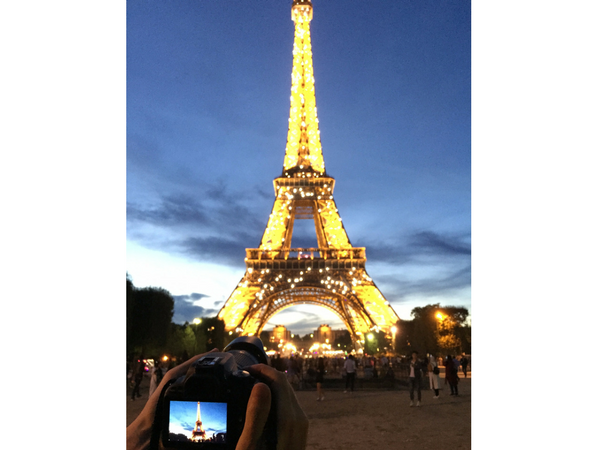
(208, 86)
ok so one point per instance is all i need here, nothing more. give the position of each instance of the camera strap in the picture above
(155, 436)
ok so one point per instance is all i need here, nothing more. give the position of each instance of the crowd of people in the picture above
(302, 372)
(284, 375)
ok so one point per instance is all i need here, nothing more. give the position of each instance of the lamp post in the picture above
(394, 329)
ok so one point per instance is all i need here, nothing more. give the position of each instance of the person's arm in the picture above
(140, 430)
(292, 425)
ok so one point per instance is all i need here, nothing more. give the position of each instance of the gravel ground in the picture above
(377, 419)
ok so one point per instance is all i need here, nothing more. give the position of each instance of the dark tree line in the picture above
(435, 329)
(151, 332)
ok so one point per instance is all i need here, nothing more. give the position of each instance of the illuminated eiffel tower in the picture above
(198, 434)
(332, 275)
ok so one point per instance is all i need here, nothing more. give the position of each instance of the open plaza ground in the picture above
(376, 418)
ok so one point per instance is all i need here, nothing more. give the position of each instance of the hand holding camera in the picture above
(222, 400)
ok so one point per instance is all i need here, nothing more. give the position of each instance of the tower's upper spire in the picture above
(303, 155)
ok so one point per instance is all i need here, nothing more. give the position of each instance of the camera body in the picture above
(206, 409)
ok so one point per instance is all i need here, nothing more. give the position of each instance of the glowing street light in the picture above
(197, 321)
(370, 336)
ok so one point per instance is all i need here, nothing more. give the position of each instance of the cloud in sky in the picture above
(188, 307)
(304, 319)
(433, 284)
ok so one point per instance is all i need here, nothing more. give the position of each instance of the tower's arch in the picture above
(283, 300)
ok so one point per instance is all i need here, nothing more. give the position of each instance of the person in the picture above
(464, 362)
(292, 423)
(137, 380)
(350, 368)
(456, 364)
(384, 362)
(293, 371)
(434, 378)
(451, 375)
(320, 377)
(155, 378)
(278, 363)
(414, 377)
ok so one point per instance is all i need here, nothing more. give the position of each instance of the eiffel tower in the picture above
(332, 275)
(198, 434)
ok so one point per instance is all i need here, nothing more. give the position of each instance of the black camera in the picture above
(206, 408)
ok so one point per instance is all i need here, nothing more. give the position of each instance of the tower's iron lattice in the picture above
(332, 275)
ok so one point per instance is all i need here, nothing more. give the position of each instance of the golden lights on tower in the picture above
(332, 275)
(303, 149)
(198, 434)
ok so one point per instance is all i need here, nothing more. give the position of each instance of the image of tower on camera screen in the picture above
(197, 422)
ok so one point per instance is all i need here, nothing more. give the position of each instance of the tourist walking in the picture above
(137, 380)
(155, 378)
(414, 378)
(320, 378)
(350, 368)
(451, 375)
(434, 377)
(464, 362)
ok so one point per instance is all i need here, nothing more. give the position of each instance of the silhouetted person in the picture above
(414, 378)
(451, 375)
(155, 378)
(464, 362)
(320, 377)
(350, 367)
(138, 376)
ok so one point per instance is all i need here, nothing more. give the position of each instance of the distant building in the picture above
(280, 333)
(323, 334)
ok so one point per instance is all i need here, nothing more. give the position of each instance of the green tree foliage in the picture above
(435, 329)
(215, 333)
(377, 344)
(265, 338)
(464, 335)
(343, 341)
(403, 336)
(149, 315)
(443, 324)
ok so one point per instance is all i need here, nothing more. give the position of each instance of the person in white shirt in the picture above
(350, 367)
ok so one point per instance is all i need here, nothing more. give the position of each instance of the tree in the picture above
(436, 329)
(375, 342)
(149, 315)
(404, 333)
(343, 341)
(215, 333)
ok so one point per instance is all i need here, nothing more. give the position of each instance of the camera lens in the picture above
(247, 350)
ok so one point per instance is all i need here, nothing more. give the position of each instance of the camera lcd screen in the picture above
(197, 422)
